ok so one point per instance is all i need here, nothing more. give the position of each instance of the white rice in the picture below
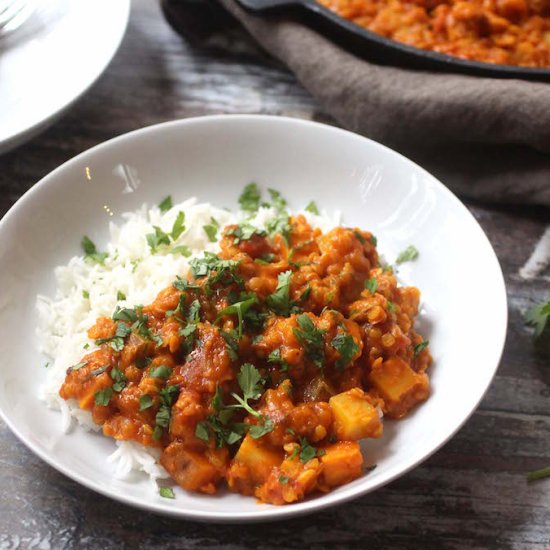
(132, 269)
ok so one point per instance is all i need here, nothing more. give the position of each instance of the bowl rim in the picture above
(277, 512)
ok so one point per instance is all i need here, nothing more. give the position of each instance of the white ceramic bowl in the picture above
(464, 311)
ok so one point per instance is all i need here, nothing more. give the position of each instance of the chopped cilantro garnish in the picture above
(374, 240)
(308, 451)
(311, 338)
(371, 285)
(279, 301)
(184, 284)
(239, 309)
(409, 254)
(312, 207)
(346, 346)
(250, 198)
(165, 204)
(178, 228)
(166, 492)
(391, 307)
(216, 271)
(157, 238)
(75, 367)
(116, 341)
(120, 295)
(283, 480)
(278, 202)
(85, 295)
(421, 346)
(232, 340)
(185, 251)
(281, 226)
(90, 251)
(120, 380)
(538, 317)
(189, 334)
(211, 230)
(245, 232)
(125, 314)
(162, 371)
(162, 419)
(103, 397)
(145, 402)
(360, 237)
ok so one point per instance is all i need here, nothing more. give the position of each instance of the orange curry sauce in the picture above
(324, 342)
(510, 32)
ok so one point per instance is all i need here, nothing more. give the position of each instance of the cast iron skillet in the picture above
(365, 43)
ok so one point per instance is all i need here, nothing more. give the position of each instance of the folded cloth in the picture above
(485, 138)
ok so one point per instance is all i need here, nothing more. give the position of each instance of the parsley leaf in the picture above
(311, 338)
(408, 255)
(178, 228)
(250, 198)
(90, 251)
(165, 204)
(421, 346)
(312, 207)
(279, 301)
(371, 285)
(346, 346)
(538, 317)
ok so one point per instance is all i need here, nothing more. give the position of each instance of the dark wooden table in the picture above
(471, 494)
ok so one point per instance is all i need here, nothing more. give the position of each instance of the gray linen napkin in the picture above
(487, 139)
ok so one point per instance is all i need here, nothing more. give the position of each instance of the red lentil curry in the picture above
(265, 367)
(510, 32)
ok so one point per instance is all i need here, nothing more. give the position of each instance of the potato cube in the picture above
(252, 465)
(341, 464)
(399, 386)
(354, 416)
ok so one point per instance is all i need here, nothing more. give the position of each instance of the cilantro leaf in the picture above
(308, 451)
(538, 317)
(211, 230)
(421, 346)
(103, 397)
(244, 232)
(311, 338)
(90, 251)
(145, 402)
(279, 301)
(371, 285)
(250, 198)
(85, 295)
(178, 228)
(408, 255)
(162, 371)
(280, 225)
(157, 238)
(279, 203)
(250, 381)
(125, 314)
(346, 346)
(165, 204)
(120, 295)
(359, 236)
(258, 430)
(166, 492)
(119, 379)
(239, 309)
(183, 284)
(185, 251)
(312, 207)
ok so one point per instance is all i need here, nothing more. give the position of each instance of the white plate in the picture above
(52, 59)
(464, 311)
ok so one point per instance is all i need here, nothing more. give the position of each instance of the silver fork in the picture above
(13, 13)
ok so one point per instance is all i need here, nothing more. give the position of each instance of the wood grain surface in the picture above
(471, 494)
